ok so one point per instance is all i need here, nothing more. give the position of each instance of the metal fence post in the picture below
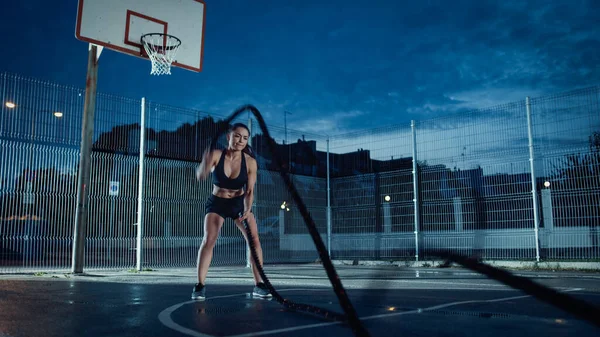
(83, 177)
(415, 173)
(533, 180)
(140, 212)
(328, 204)
(248, 252)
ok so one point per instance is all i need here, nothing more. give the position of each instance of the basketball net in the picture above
(161, 50)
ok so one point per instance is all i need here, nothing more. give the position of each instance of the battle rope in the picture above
(350, 317)
(287, 303)
(563, 301)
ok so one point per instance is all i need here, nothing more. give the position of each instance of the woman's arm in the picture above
(249, 194)
(207, 163)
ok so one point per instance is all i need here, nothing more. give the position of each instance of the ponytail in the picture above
(248, 150)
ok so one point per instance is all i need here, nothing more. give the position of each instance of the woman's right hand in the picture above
(204, 168)
(200, 174)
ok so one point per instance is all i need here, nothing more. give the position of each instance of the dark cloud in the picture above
(373, 63)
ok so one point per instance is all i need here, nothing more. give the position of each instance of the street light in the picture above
(10, 105)
(58, 114)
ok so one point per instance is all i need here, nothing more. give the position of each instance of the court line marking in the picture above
(360, 284)
(416, 311)
(165, 316)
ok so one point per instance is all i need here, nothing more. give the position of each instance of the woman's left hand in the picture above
(245, 215)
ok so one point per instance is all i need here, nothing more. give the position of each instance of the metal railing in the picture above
(519, 181)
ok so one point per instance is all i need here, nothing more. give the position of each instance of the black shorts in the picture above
(225, 207)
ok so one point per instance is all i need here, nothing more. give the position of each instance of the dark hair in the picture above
(248, 149)
(239, 125)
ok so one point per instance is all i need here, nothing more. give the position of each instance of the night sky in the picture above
(336, 66)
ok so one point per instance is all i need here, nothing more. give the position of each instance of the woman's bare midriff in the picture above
(226, 193)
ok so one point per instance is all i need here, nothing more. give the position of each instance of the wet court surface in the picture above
(390, 301)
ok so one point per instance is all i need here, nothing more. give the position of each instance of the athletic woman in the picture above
(233, 173)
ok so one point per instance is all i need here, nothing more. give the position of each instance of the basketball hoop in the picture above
(161, 50)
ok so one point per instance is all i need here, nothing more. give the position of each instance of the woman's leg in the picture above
(252, 224)
(212, 225)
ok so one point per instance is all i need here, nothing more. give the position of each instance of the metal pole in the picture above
(415, 173)
(248, 252)
(83, 176)
(328, 204)
(285, 113)
(289, 154)
(533, 180)
(140, 206)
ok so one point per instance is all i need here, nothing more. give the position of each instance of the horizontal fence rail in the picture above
(518, 181)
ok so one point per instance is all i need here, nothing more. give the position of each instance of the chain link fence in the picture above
(519, 181)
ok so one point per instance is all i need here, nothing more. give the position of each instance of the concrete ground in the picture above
(390, 300)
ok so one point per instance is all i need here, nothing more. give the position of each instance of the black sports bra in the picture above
(221, 180)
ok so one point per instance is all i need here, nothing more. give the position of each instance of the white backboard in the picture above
(119, 24)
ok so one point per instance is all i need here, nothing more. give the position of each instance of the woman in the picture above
(234, 175)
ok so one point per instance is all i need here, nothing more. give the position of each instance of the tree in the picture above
(577, 186)
(582, 171)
